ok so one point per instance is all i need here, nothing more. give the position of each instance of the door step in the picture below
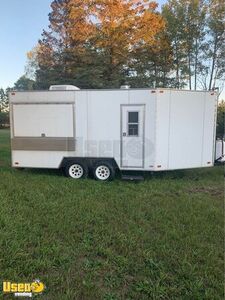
(131, 177)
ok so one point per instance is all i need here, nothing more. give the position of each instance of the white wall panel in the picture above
(186, 129)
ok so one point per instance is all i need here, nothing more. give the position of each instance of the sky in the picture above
(21, 25)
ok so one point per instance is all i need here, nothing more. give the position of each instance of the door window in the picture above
(133, 123)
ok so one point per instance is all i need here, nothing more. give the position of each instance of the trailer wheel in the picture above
(104, 171)
(76, 170)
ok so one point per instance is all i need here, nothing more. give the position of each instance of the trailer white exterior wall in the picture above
(141, 129)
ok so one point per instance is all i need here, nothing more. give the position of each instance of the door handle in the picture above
(124, 134)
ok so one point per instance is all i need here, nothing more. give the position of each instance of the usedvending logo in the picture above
(23, 289)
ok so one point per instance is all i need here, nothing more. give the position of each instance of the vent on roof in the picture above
(125, 87)
(63, 88)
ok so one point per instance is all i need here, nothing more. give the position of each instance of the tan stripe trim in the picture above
(43, 144)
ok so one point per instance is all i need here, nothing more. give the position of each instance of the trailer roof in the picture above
(120, 90)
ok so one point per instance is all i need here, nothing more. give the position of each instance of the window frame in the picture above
(133, 123)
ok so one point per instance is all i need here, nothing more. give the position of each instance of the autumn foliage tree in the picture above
(96, 43)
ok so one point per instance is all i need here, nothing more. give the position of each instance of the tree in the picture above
(152, 64)
(216, 51)
(196, 31)
(4, 108)
(4, 119)
(94, 43)
(186, 28)
(220, 119)
(174, 15)
(24, 84)
(4, 101)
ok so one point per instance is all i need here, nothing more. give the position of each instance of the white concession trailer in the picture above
(100, 131)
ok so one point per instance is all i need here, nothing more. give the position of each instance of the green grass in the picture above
(158, 239)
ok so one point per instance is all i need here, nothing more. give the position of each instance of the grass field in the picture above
(158, 239)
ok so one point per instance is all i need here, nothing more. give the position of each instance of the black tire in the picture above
(104, 171)
(75, 170)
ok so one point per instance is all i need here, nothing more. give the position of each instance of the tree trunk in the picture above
(156, 75)
(196, 63)
(213, 62)
(189, 69)
(177, 68)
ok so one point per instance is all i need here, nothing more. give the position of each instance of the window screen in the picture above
(133, 123)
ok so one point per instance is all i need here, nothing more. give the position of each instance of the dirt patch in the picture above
(208, 190)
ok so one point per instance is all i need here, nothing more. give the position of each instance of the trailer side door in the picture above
(132, 136)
